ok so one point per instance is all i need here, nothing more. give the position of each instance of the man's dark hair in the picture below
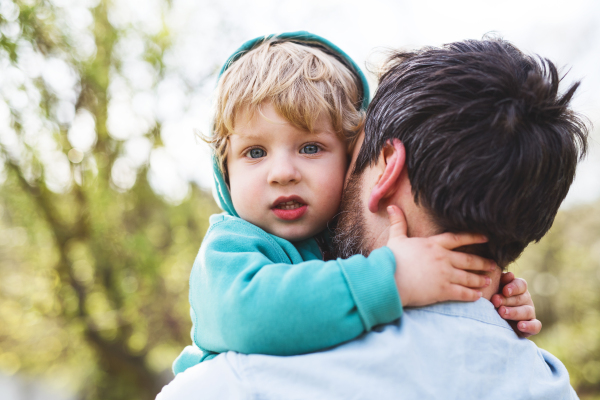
(491, 146)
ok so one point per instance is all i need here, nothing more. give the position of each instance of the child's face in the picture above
(285, 180)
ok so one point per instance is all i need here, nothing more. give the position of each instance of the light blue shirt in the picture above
(444, 351)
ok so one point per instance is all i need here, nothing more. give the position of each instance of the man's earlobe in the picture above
(394, 157)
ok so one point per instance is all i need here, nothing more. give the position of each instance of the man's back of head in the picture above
(491, 144)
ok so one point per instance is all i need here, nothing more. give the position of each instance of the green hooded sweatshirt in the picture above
(255, 293)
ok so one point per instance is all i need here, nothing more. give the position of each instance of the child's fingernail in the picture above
(391, 210)
(480, 294)
(505, 311)
(522, 326)
(509, 291)
(487, 280)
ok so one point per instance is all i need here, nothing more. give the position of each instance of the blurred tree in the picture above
(563, 272)
(93, 264)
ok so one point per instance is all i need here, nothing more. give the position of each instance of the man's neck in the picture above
(494, 286)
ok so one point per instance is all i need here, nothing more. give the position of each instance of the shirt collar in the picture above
(480, 310)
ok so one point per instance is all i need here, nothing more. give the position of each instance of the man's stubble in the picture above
(350, 233)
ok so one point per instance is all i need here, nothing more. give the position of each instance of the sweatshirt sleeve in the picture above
(246, 296)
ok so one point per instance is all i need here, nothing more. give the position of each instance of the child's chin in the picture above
(296, 236)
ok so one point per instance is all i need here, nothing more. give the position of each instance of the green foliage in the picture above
(93, 276)
(563, 272)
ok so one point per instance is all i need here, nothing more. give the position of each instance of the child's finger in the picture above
(497, 300)
(529, 328)
(398, 228)
(471, 262)
(521, 313)
(451, 241)
(507, 277)
(515, 287)
(513, 301)
(469, 279)
(461, 293)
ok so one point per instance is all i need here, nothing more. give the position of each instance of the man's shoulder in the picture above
(450, 350)
(219, 378)
(464, 346)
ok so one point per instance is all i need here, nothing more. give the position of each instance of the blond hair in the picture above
(301, 81)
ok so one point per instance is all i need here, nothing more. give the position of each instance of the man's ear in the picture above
(394, 156)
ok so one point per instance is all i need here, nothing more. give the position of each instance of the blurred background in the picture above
(105, 188)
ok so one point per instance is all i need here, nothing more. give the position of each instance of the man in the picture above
(472, 137)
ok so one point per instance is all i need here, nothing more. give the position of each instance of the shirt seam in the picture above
(468, 317)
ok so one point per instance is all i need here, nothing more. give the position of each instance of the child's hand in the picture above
(428, 271)
(514, 303)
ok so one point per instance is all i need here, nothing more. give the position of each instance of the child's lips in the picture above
(290, 214)
(289, 208)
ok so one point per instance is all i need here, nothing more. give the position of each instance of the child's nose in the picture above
(284, 172)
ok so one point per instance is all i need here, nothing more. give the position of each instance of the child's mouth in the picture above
(289, 210)
(289, 205)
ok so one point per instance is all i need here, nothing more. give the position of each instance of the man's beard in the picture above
(350, 232)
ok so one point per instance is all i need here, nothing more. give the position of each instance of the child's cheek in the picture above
(245, 195)
(332, 197)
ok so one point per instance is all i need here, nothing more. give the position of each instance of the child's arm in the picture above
(245, 296)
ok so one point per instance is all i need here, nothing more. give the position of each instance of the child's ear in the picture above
(391, 160)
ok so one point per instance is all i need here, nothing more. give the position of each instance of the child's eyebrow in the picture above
(258, 136)
(251, 136)
(321, 133)
(248, 136)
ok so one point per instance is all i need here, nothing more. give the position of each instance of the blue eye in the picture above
(310, 149)
(256, 153)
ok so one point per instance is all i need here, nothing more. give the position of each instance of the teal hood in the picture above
(221, 190)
